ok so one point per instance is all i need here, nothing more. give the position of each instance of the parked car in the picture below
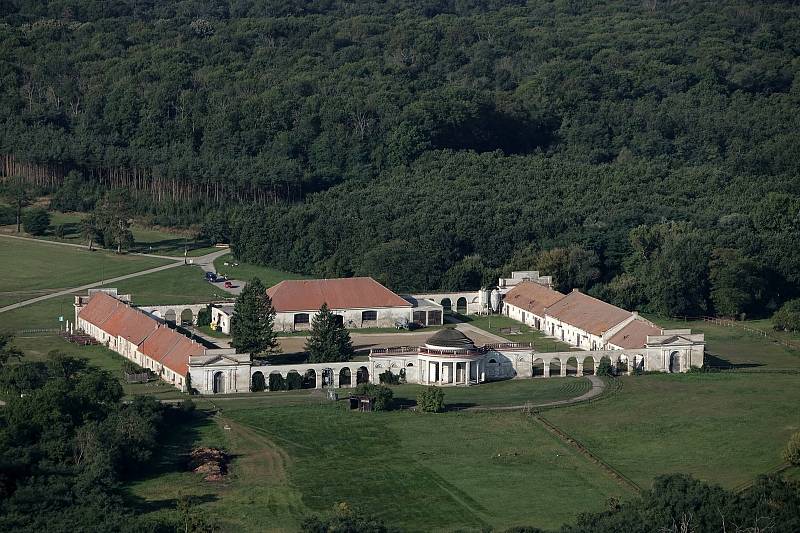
(220, 279)
(211, 276)
(228, 285)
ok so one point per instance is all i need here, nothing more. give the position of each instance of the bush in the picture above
(36, 221)
(381, 396)
(294, 381)
(7, 215)
(389, 378)
(258, 384)
(431, 400)
(204, 317)
(791, 454)
(605, 368)
(276, 382)
(787, 318)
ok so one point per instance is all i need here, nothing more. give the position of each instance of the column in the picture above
(318, 381)
(563, 369)
(579, 368)
(546, 369)
(336, 378)
(467, 373)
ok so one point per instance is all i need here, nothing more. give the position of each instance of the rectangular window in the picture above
(419, 317)
(369, 316)
(434, 318)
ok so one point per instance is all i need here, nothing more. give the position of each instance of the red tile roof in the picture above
(177, 359)
(154, 339)
(99, 309)
(587, 313)
(634, 335)
(532, 297)
(341, 293)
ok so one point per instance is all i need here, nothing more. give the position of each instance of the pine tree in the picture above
(329, 341)
(252, 323)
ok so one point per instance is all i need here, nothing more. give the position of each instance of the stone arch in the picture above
(257, 382)
(447, 305)
(638, 363)
(170, 316)
(461, 306)
(156, 313)
(310, 379)
(362, 375)
(339, 319)
(187, 317)
(218, 386)
(327, 377)
(345, 377)
(607, 359)
(537, 368)
(294, 380)
(493, 361)
(675, 362)
(622, 363)
(588, 365)
(410, 364)
(571, 367)
(555, 366)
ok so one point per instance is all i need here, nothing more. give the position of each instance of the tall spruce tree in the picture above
(252, 324)
(329, 340)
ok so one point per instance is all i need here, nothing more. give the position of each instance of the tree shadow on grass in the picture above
(714, 361)
(181, 432)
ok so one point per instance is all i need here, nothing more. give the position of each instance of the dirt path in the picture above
(259, 457)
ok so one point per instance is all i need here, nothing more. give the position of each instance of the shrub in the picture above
(258, 384)
(431, 400)
(36, 221)
(276, 382)
(605, 368)
(204, 317)
(7, 215)
(294, 381)
(791, 454)
(389, 378)
(787, 318)
(381, 395)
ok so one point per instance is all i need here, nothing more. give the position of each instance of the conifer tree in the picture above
(252, 324)
(329, 340)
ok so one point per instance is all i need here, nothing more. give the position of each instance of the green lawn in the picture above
(36, 349)
(722, 427)
(495, 323)
(147, 239)
(419, 472)
(247, 271)
(729, 345)
(181, 285)
(35, 268)
(40, 315)
(502, 393)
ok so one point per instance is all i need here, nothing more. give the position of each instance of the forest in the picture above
(643, 151)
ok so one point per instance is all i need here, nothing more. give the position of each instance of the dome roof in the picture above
(450, 338)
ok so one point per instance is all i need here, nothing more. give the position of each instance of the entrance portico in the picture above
(450, 358)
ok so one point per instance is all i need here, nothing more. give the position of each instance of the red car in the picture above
(228, 285)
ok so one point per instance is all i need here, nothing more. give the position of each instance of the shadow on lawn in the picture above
(170, 245)
(181, 432)
(715, 361)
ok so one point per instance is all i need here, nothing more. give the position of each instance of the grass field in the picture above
(181, 285)
(419, 472)
(39, 315)
(502, 393)
(722, 427)
(37, 348)
(35, 268)
(730, 345)
(496, 323)
(147, 239)
(247, 271)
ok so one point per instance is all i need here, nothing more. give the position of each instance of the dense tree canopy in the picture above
(433, 143)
